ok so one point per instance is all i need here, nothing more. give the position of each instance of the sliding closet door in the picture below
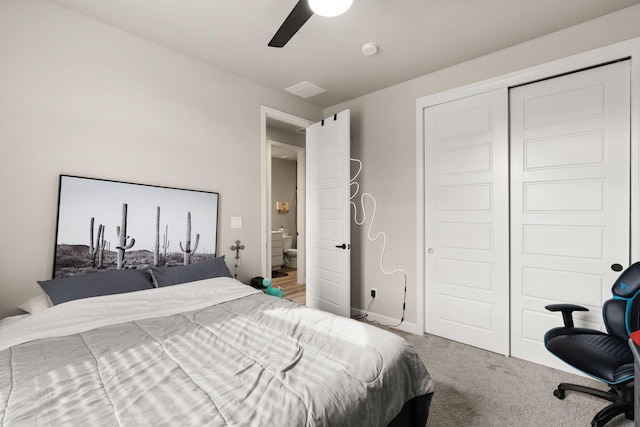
(570, 166)
(467, 221)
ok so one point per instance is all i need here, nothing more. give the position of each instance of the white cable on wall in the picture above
(381, 235)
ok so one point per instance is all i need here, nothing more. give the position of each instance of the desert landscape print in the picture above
(107, 225)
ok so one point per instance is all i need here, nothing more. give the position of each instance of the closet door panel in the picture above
(564, 151)
(466, 165)
(570, 209)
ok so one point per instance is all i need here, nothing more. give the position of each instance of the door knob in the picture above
(616, 267)
(343, 246)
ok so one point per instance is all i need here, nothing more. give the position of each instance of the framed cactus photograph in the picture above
(114, 225)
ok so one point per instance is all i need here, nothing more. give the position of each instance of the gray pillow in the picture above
(95, 284)
(167, 276)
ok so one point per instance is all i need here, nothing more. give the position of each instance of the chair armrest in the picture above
(567, 312)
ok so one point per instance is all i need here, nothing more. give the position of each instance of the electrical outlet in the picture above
(374, 291)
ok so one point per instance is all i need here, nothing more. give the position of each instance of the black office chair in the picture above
(604, 356)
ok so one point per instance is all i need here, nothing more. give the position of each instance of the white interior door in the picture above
(570, 173)
(328, 221)
(467, 221)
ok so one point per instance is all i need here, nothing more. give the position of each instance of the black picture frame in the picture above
(165, 226)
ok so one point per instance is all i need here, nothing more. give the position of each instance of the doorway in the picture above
(287, 214)
(283, 135)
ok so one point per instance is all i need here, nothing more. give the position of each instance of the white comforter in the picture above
(213, 352)
(89, 313)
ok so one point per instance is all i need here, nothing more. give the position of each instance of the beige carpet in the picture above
(477, 388)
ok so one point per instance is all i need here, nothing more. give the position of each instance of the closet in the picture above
(526, 203)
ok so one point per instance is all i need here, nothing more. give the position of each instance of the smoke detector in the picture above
(369, 49)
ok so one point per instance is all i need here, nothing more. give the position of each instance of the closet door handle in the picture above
(343, 246)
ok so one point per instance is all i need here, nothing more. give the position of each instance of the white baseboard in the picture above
(405, 326)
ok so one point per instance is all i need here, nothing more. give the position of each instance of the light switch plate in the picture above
(236, 222)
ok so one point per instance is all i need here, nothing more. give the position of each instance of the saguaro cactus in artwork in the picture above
(165, 243)
(100, 245)
(121, 231)
(187, 247)
(92, 248)
(156, 251)
(98, 248)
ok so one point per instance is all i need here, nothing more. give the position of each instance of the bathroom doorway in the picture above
(287, 207)
(284, 222)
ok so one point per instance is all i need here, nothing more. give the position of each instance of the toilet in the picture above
(290, 254)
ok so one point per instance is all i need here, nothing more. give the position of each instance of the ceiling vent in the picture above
(305, 89)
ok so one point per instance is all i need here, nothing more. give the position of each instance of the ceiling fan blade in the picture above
(300, 13)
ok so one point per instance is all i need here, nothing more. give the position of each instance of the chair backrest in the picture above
(621, 314)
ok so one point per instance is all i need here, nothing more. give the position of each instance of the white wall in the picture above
(384, 131)
(81, 98)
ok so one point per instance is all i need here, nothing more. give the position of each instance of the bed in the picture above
(200, 349)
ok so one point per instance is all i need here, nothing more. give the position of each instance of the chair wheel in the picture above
(558, 393)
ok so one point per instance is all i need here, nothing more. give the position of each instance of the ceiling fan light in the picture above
(330, 7)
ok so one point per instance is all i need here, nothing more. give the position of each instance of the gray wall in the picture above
(81, 98)
(286, 136)
(383, 126)
(283, 189)
(284, 181)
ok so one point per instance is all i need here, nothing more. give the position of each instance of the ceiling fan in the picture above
(301, 12)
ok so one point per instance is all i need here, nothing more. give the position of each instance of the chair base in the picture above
(622, 401)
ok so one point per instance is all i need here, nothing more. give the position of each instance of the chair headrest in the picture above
(628, 283)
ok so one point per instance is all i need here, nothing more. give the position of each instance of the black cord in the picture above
(404, 309)
(404, 304)
(364, 315)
